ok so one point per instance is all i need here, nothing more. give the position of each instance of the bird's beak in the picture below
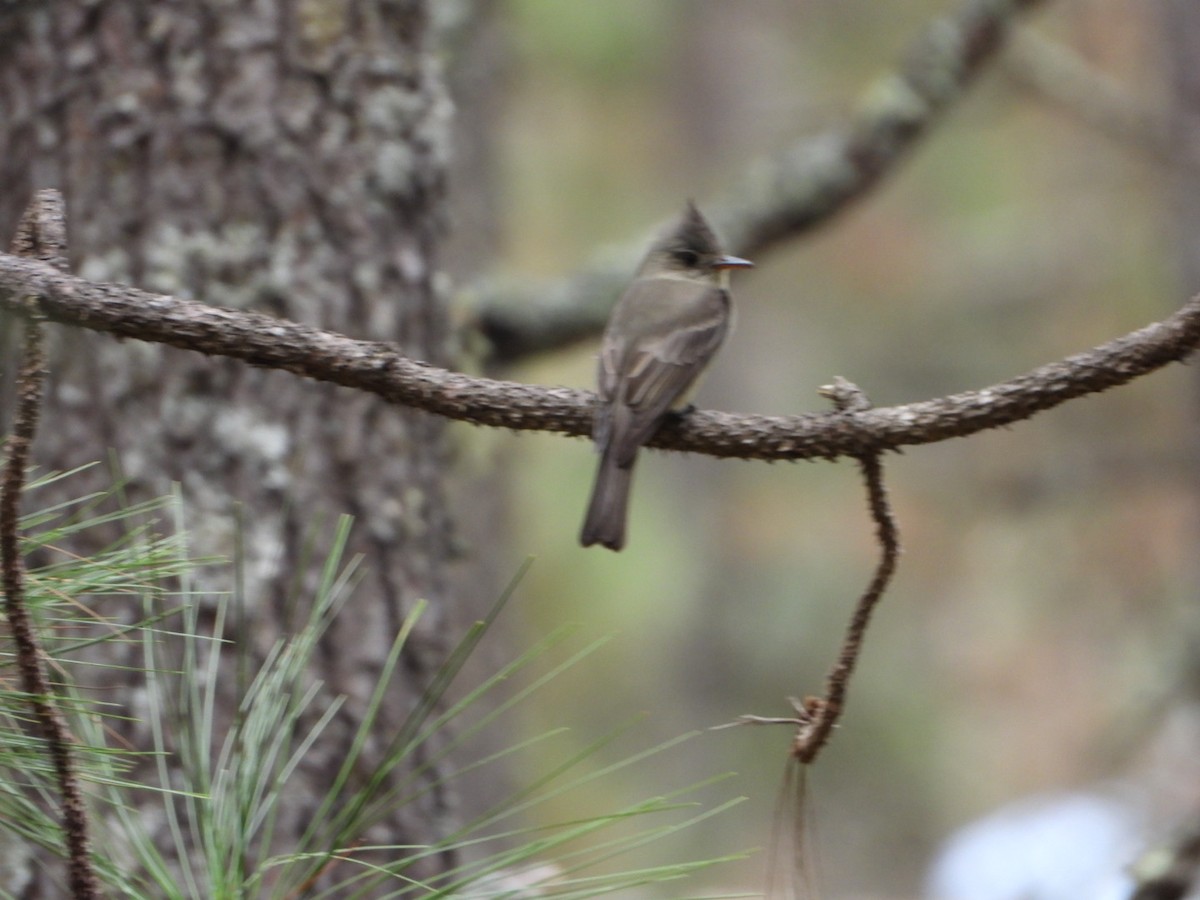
(732, 262)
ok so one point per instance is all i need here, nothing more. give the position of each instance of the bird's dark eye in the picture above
(687, 258)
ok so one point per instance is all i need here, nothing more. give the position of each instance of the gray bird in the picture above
(663, 332)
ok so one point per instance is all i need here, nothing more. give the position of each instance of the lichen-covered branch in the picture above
(380, 369)
(41, 234)
(776, 199)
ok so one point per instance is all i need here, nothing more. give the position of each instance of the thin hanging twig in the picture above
(815, 717)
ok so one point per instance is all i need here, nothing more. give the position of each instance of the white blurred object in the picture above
(1054, 847)
(1083, 845)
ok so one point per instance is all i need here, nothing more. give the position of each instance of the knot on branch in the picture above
(845, 395)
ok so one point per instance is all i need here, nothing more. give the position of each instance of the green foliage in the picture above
(218, 788)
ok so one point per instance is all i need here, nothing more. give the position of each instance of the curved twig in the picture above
(816, 717)
(41, 234)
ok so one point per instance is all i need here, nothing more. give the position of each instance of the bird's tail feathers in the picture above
(605, 520)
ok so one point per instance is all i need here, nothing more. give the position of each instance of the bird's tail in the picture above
(605, 520)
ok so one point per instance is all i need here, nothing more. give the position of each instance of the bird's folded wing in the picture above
(665, 333)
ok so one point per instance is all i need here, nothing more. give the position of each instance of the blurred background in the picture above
(1037, 636)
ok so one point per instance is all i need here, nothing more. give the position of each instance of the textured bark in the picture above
(284, 156)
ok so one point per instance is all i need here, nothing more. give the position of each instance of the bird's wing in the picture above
(663, 333)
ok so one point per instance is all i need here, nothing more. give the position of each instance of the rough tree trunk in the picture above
(281, 155)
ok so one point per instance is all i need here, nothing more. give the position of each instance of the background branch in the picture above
(1058, 75)
(800, 188)
(378, 368)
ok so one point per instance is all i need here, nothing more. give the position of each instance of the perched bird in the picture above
(663, 331)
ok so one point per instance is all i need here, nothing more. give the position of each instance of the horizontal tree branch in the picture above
(801, 188)
(378, 368)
